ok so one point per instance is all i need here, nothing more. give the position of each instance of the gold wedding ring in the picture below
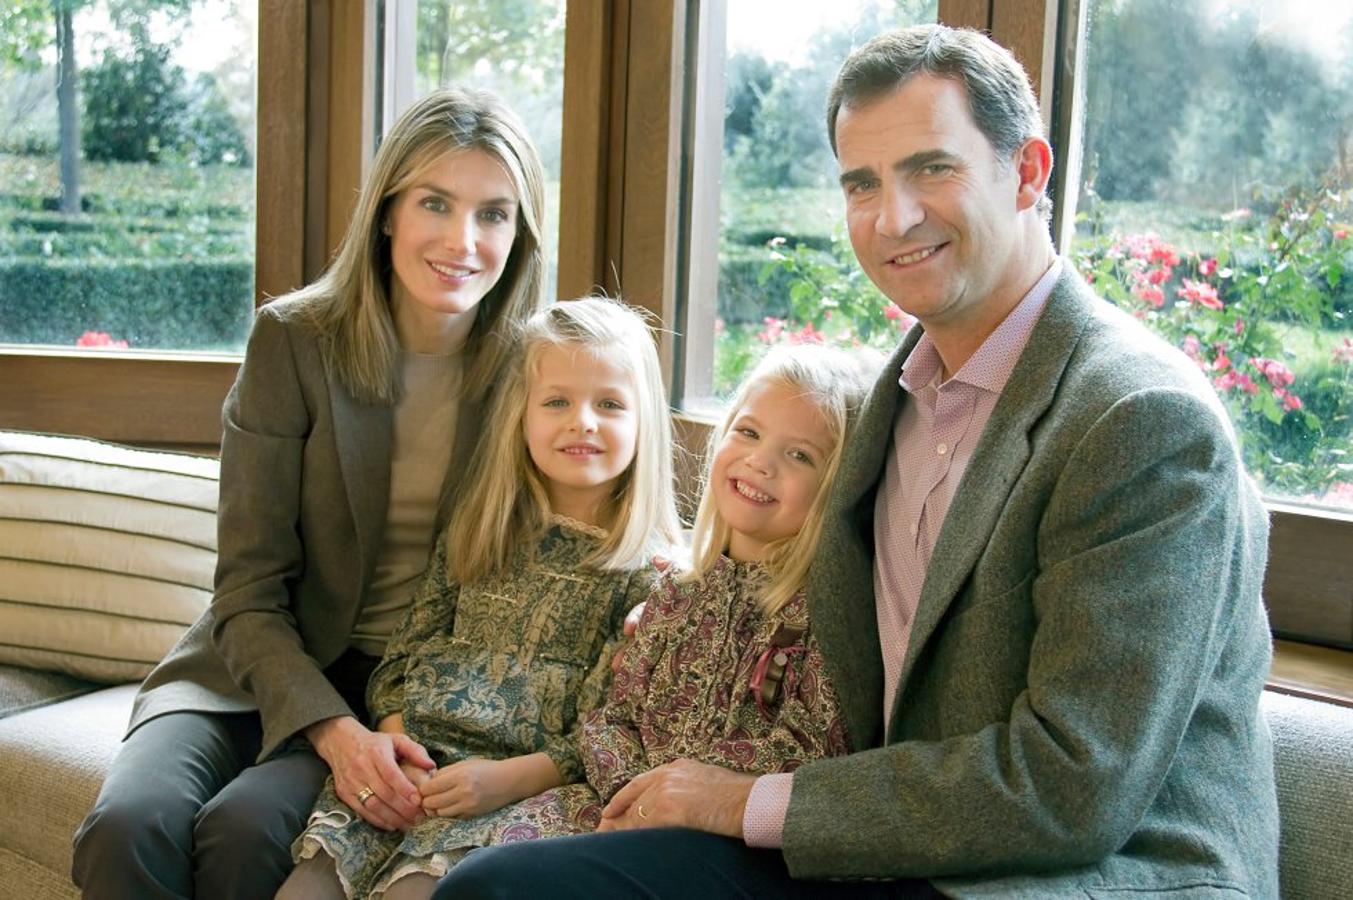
(364, 795)
(639, 811)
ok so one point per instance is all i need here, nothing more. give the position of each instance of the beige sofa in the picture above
(106, 555)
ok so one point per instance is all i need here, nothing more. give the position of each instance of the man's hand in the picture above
(362, 759)
(631, 625)
(468, 788)
(682, 794)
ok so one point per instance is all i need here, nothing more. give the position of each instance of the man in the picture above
(1039, 588)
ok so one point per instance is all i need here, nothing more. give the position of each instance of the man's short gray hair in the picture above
(999, 95)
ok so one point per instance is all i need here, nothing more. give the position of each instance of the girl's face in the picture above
(450, 235)
(582, 427)
(768, 467)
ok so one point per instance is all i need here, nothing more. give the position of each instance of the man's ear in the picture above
(1033, 164)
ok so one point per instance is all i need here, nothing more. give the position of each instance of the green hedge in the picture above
(169, 304)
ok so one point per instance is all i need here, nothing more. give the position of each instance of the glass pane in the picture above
(514, 48)
(1216, 203)
(127, 183)
(786, 272)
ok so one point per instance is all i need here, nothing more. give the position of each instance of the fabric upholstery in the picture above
(1313, 762)
(23, 689)
(52, 762)
(106, 553)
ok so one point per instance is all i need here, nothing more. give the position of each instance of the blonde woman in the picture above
(347, 432)
(509, 639)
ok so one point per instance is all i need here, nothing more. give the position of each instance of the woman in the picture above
(353, 413)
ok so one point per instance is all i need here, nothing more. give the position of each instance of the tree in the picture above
(23, 39)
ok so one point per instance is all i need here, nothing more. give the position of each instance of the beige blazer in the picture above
(1078, 713)
(305, 482)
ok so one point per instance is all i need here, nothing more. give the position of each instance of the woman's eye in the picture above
(494, 215)
(555, 403)
(433, 204)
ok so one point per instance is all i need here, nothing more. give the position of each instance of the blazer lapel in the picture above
(1001, 454)
(362, 433)
(841, 581)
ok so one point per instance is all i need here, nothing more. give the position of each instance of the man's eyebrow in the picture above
(921, 159)
(913, 163)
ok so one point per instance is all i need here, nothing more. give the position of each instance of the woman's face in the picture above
(450, 235)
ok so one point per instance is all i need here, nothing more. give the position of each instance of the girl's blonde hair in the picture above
(505, 501)
(836, 384)
(350, 302)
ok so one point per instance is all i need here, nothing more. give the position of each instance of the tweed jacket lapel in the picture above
(362, 433)
(841, 580)
(997, 461)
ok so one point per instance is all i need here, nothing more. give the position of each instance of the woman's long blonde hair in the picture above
(836, 384)
(350, 303)
(505, 503)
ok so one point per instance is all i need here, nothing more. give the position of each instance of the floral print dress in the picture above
(693, 686)
(505, 667)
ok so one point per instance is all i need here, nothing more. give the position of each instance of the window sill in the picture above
(1318, 673)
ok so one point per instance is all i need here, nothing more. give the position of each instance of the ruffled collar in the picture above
(581, 527)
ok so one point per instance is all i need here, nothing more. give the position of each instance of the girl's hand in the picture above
(362, 759)
(468, 788)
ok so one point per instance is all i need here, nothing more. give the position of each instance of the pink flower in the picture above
(892, 311)
(771, 334)
(1158, 276)
(1240, 326)
(99, 339)
(1192, 347)
(1273, 371)
(1200, 292)
(1207, 267)
(1153, 295)
(1341, 234)
(807, 335)
(719, 326)
(1344, 352)
(1289, 400)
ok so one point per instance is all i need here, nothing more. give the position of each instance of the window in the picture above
(1215, 202)
(127, 174)
(770, 262)
(514, 49)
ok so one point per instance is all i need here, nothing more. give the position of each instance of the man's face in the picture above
(932, 212)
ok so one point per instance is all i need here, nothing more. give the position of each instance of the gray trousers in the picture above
(184, 812)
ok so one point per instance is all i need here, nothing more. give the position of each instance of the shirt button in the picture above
(942, 449)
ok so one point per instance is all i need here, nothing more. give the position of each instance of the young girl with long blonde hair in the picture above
(508, 641)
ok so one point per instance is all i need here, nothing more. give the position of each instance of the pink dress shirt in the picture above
(933, 439)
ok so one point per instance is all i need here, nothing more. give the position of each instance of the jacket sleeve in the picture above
(1149, 548)
(266, 424)
(432, 612)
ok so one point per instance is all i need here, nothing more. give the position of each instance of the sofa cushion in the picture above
(107, 553)
(1313, 765)
(52, 763)
(24, 689)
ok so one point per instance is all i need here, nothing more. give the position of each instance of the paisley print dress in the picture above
(505, 667)
(692, 686)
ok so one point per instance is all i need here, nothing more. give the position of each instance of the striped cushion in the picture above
(106, 553)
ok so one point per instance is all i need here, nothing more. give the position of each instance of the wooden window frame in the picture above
(1309, 582)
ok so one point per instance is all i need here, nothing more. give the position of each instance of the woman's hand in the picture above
(362, 759)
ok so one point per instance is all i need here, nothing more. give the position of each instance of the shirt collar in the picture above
(990, 366)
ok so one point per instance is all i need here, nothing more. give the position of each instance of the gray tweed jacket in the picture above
(305, 482)
(1078, 709)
